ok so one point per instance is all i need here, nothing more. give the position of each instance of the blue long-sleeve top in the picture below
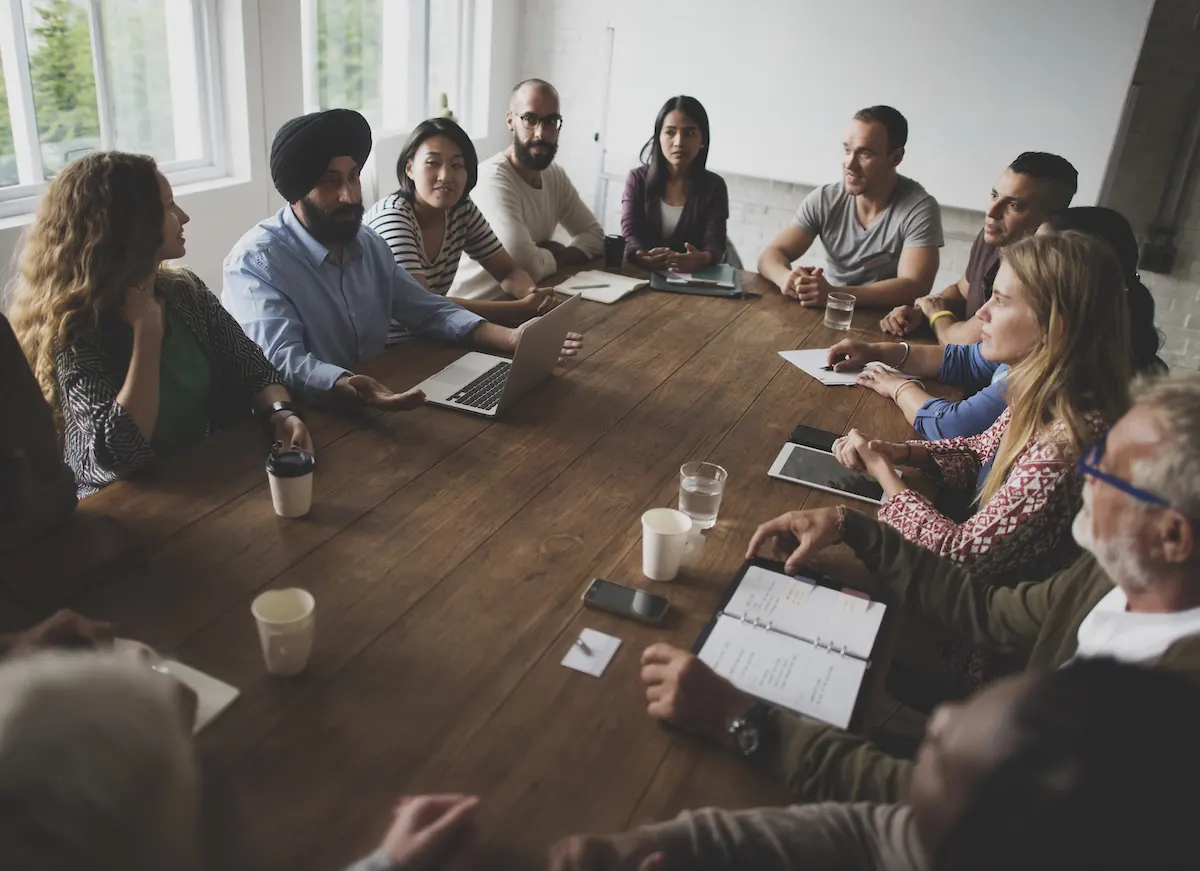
(964, 366)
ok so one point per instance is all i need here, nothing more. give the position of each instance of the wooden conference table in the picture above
(447, 555)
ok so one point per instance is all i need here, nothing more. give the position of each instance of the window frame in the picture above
(398, 116)
(23, 197)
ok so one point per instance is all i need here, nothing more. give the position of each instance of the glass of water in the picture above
(700, 488)
(839, 311)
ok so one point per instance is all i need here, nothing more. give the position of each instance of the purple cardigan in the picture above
(702, 222)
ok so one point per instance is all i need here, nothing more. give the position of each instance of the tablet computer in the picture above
(812, 468)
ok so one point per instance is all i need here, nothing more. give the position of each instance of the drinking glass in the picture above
(839, 311)
(701, 486)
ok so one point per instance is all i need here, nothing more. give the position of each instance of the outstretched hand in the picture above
(365, 390)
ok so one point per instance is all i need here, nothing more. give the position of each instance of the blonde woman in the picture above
(1058, 318)
(139, 361)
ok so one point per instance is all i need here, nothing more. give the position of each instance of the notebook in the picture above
(720, 280)
(605, 287)
(793, 642)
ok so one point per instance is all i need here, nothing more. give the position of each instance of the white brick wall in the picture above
(563, 41)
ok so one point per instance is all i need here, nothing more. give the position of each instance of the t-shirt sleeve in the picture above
(812, 212)
(480, 242)
(395, 226)
(923, 229)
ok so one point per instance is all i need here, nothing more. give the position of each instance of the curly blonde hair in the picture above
(97, 233)
(1075, 287)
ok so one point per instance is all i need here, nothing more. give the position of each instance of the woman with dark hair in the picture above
(673, 210)
(139, 360)
(1085, 768)
(430, 220)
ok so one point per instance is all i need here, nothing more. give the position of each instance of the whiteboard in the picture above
(979, 81)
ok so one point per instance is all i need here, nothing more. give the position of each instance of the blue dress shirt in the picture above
(315, 318)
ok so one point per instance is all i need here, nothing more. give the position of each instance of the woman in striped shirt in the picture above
(430, 221)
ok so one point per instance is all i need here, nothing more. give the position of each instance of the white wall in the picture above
(263, 87)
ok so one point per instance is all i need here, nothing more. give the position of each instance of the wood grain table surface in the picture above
(447, 554)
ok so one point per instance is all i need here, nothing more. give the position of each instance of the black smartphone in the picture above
(626, 601)
(811, 437)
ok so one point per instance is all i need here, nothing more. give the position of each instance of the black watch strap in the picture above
(756, 733)
(277, 407)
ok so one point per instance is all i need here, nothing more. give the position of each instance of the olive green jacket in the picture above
(1037, 622)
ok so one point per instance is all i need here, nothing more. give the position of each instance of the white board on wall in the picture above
(979, 82)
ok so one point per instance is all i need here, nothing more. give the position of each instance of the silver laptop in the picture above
(486, 384)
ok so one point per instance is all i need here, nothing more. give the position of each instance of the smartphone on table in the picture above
(811, 437)
(625, 601)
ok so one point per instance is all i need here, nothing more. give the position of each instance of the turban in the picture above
(304, 146)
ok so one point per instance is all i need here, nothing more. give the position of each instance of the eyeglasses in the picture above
(532, 121)
(1089, 465)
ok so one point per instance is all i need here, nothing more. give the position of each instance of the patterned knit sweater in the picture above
(1023, 533)
(101, 441)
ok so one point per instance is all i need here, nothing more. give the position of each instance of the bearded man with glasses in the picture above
(525, 197)
(1134, 596)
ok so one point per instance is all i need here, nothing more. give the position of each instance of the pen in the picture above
(587, 286)
(830, 367)
(583, 647)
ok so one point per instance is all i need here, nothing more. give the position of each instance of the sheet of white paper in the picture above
(808, 610)
(688, 278)
(603, 648)
(785, 672)
(812, 362)
(615, 286)
(213, 696)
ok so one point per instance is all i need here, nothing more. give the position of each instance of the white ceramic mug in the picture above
(666, 539)
(285, 628)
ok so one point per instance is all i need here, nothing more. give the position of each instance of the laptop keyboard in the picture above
(484, 392)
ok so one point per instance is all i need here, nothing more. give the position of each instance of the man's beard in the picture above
(331, 228)
(528, 159)
(1118, 556)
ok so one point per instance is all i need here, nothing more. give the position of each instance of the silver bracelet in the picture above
(907, 349)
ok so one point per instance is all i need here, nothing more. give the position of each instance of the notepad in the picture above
(794, 643)
(813, 362)
(605, 287)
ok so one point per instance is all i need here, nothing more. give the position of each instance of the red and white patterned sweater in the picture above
(1023, 532)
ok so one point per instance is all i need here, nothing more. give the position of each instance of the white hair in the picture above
(1175, 473)
(96, 766)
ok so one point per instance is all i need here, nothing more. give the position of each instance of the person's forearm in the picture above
(954, 332)
(139, 394)
(924, 361)
(518, 284)
(883, 294)
(910, 400)
(498, 338)
(568, 257)
(498, 311)
(774, 266)
(953, 298)
(891, 482)
(269, 395)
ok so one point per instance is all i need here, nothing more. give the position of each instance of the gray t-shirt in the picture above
(858, 256)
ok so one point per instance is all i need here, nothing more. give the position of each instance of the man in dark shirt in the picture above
(37, 491)
(1035, 186)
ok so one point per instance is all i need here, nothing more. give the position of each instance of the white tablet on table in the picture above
(821, 470)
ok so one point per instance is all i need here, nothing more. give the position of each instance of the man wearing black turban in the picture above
(317, 290)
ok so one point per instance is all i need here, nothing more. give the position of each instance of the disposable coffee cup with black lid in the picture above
(290, 475)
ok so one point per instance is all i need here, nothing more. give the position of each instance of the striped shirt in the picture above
(467, 230)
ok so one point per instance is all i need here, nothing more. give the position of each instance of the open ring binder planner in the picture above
(795, 642)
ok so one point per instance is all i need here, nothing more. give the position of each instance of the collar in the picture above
(314, 250)
(1110, 630)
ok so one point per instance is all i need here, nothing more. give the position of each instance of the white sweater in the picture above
(523, 216)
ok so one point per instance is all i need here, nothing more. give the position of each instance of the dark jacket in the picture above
(702, 222)
(102, 443)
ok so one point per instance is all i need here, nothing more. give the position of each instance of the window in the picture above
(85, 75)
(396, 61)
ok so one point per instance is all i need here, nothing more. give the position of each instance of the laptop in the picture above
(486, 384)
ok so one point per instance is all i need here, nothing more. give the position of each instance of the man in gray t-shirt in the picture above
(881, 231)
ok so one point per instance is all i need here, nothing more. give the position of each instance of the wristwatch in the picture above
(277, 407)
(753, 732)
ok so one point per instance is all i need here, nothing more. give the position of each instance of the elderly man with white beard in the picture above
(1134, 596)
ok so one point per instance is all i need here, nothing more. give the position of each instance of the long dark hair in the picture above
(1094, 777)
(1144, 338)
(427, 130)
(652, 155)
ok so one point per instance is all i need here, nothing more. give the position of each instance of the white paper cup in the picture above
(665, 540)
(290, 474)
(285, 628)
